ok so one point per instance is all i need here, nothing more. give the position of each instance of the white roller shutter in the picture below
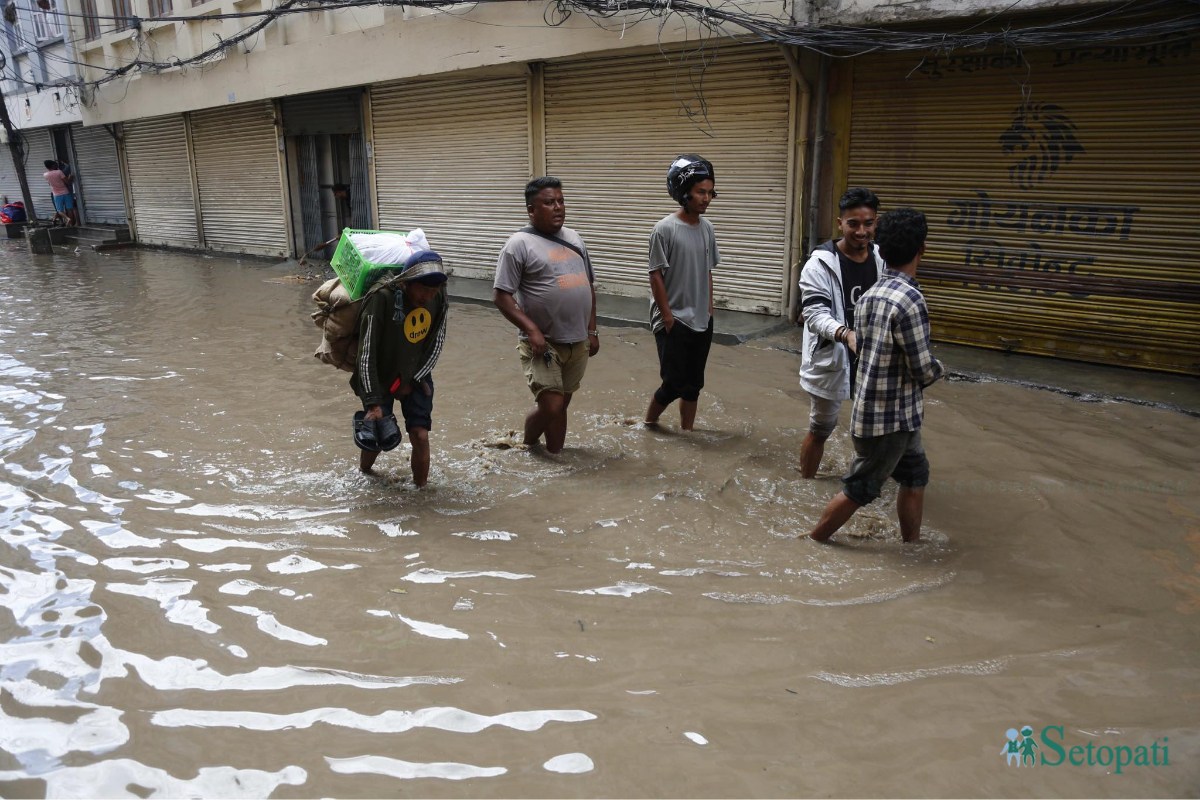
(452, 158)
(237, 169)
(98, 175)
(39, 148)
(614, 124)
(160, 183)
(10, 183)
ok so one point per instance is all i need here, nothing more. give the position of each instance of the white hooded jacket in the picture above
(824, 362)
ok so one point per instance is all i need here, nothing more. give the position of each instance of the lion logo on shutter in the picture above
(1040, 139)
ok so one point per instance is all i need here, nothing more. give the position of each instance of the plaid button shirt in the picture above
(894, 361)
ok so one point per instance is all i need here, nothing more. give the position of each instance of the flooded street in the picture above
(201, 596)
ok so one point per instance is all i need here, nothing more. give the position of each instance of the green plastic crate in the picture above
(357, 274)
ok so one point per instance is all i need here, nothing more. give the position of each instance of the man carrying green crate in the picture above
(544, 287)
(401, 330)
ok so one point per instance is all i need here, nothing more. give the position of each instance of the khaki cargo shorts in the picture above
(561, 372)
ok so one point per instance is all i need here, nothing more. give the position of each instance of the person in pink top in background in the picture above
(60, 186)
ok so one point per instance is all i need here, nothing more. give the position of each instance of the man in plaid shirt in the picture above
(894, 366)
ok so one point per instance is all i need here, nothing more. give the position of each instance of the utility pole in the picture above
(15, 146)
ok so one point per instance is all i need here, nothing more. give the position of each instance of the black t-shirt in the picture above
(856, 279)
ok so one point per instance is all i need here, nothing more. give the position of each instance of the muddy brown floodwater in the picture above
(200, 596)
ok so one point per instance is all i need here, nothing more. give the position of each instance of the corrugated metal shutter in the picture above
(310, 192)
(237, 169)
(10, 184)
(39, 148)
(452, 158)
(98, 175)
(1060, 219)
(160, 183)
(325, 112)
(360, 184)
(614, 124)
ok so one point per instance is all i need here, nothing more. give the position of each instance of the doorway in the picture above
(327, 168)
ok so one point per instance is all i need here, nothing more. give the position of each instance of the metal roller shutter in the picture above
(160, 183)
(237, 171)
(39, 148)
(98, 175)
(360, 184)
(452, 158)
(614, 124)
(325, 112)
(10, 184)
(1057, 217)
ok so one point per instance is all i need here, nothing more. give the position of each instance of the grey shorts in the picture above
(896, 455)
(822, 415)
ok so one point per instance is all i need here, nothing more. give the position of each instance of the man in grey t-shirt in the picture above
(683, 252)
(544, 286)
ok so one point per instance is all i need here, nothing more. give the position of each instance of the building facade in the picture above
(41, 91)
(261, 128)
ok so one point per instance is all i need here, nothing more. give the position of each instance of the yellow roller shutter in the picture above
(452, 158)
(1061, 194)
(613, 124)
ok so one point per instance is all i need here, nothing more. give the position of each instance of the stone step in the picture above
(92, 235)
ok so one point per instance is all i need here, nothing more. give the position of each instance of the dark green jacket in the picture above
(388, 349)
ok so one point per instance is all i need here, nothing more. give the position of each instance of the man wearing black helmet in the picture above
(683, 252)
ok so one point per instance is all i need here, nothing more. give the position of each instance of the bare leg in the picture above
(556, 431)
(419, 439)
(910, 506)
(654, 412)
(840, 509)
(811, 453)
(366, 460)
(549, 418)
(687, 414)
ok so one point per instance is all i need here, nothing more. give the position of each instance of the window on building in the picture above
(160, 8)
(13, 32)
(123, 11)
(45, 20)
(91, 25)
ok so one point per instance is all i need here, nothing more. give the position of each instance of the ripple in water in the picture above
(407, 770)
(444, 718)
(570, 764)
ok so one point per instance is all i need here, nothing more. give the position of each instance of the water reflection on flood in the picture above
(200, 596)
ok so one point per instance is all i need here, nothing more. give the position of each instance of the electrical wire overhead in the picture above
(1093, 25)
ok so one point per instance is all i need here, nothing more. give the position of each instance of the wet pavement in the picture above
(201, 596)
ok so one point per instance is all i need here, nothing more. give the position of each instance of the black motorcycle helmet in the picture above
(685, 172)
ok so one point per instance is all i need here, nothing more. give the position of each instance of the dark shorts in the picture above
(682, 356)
(417, 407)
(896, 455)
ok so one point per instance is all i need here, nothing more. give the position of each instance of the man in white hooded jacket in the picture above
(834, 277)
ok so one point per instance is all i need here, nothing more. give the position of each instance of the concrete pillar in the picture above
(39, 241)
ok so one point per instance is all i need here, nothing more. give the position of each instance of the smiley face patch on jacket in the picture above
(416, 324)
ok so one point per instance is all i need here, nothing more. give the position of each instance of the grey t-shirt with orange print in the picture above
(551, 283)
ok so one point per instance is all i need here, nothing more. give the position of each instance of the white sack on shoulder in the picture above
(389, 248)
